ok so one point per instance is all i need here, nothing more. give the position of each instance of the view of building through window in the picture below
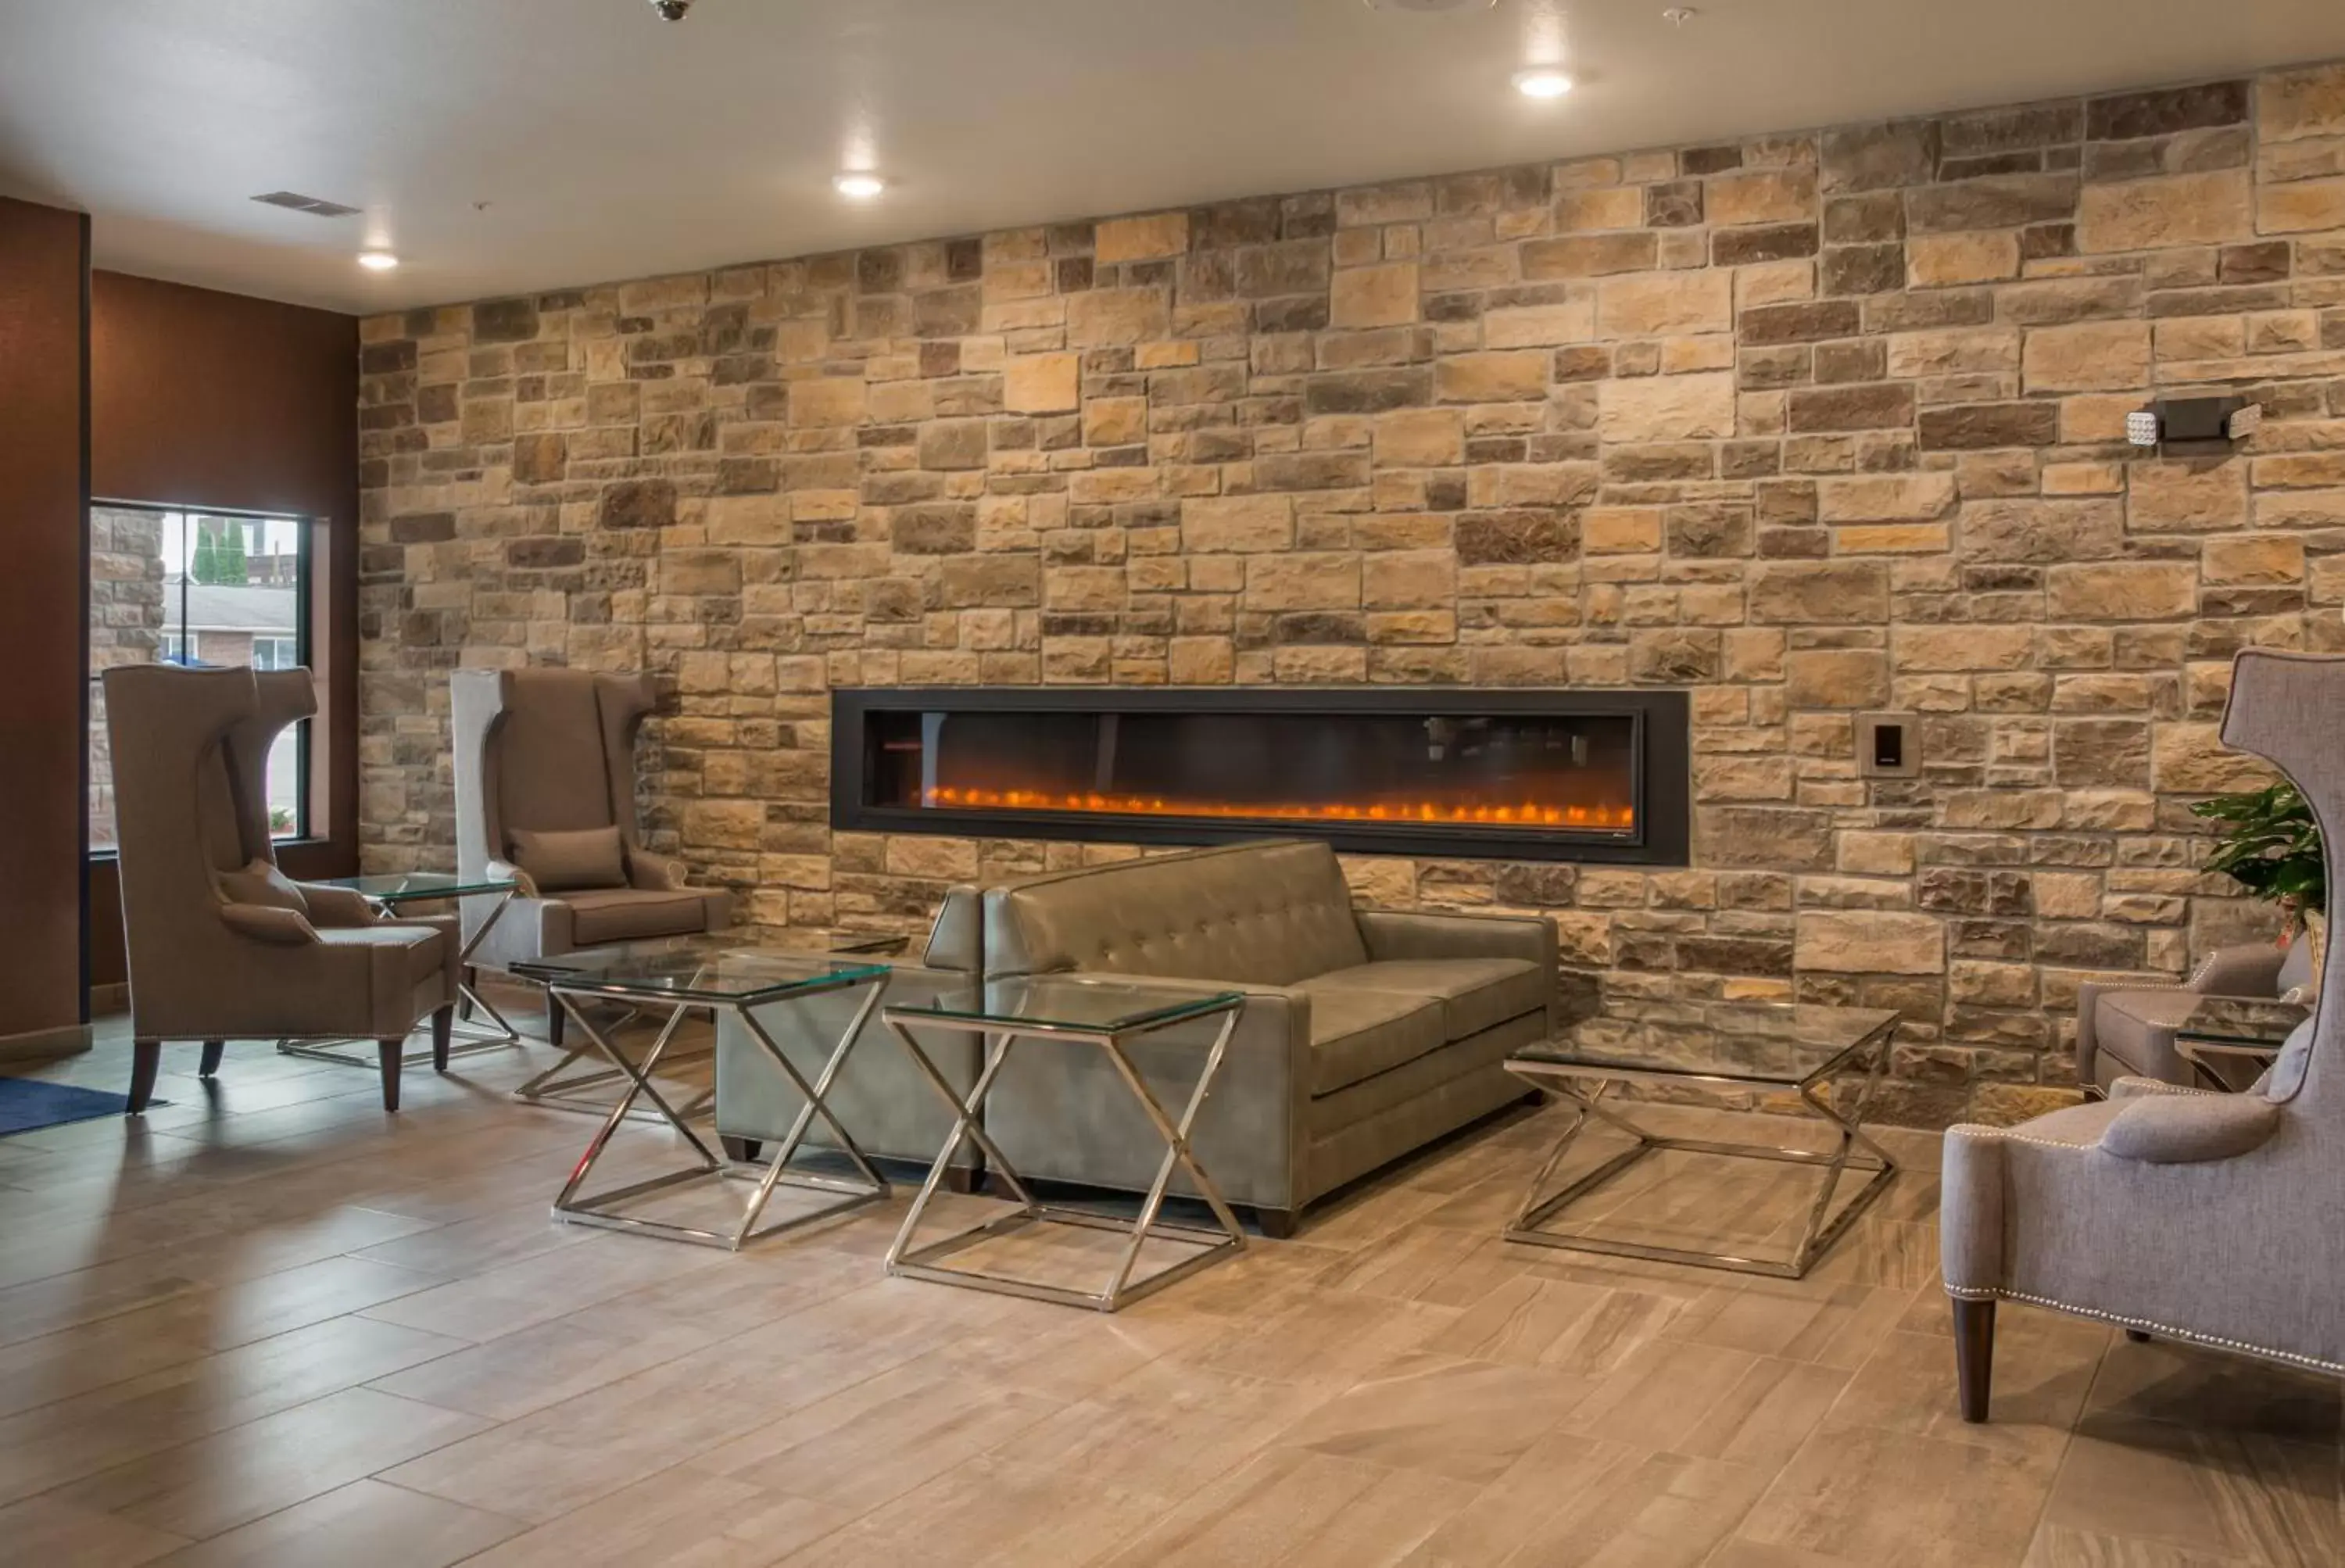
(198, 589)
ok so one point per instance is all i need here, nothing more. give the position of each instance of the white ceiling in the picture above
(607, 144)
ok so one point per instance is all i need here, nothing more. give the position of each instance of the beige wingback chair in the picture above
(2204, 1218)
(546, 793)
(223, 945)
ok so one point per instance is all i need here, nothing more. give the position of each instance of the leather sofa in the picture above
(1364, 1036)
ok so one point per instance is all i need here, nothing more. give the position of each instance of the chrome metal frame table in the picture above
(1762, 1046)
(696, 975)
(1102, 1014)
(2228, 1041)
(386, 892)
(550, 1089)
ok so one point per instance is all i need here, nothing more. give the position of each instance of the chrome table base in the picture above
(579, 1207)
(1816, 1236)
(929, 1260)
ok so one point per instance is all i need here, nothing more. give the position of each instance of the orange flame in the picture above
(1529, 814)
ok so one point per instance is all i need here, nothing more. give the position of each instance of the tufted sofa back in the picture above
(1268, 914)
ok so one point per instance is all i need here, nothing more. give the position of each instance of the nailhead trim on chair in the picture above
(2149, 1325)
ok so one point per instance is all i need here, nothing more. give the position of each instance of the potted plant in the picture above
(2270, 845)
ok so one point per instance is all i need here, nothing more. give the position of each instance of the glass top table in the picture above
(1778, 1043)
(1052, 1005)
(1811, 1050)
(1105, 1015)
(2228, 1041)
(703, 969)
(410, 886)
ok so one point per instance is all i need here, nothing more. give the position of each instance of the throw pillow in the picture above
(585, 858)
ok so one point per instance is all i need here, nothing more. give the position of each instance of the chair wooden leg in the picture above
(443, 1020)
(146, 1061)
(744, 1150)
(1975, 1355)
(392, 1054)
(213, 1051)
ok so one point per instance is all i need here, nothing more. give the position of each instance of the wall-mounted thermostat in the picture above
(1888, 745)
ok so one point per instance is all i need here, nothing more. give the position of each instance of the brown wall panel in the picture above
(202, 399)
(44, 490)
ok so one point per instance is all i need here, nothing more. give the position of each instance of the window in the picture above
(200, 588)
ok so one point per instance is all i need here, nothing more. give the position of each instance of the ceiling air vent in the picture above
(316, 207)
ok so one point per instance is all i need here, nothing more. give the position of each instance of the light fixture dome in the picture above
(377, 261)
(858, 185)
(1543, 82)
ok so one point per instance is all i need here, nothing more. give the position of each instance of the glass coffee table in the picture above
(556, 1090)
(387, 892)
(2228, 1041)
(693, 975)
(1751, 1045)
(1107, 1015)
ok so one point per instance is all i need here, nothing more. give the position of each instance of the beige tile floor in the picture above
(269, 1324)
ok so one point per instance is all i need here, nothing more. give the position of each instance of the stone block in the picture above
(1599, 207)
(1887, 497)
(2186, 495)
(1235, 523)
(1042, 384)
(2174, 210)
(1995, 202)
(1141, 238)
(2090, 356)
(1099, 317)
(1569, 321)
(1760, 196)
(2297, 208)
(1326, 581)
(1667, 408)
(1491, 377)
(2253, 559)
(827, 401)
(1665, 302)
(2291, 105)
(1836, 677)
(1870, 942)
(1826, 593)
(1949, 261)
(2122, 591)
(2191, 759)
(1374, 296)
(1419, 438)
(1878, 157)
(1588, 255)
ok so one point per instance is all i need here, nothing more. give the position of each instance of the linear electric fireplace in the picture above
(1514, 774)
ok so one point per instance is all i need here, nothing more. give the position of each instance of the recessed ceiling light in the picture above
(858, 185)
(1542, 82)
(377, 261)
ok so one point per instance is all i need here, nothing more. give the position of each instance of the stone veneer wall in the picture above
(1808, 423)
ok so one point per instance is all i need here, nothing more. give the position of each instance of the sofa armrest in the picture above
(1395, 934)
(335, 906)
(2131, 1088)
(268, 923)
(2249, 968)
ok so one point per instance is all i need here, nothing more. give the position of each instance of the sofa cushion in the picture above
(582, 857)
(1358, 1034)
(425, 955)
(632, 914)
(1474, 993)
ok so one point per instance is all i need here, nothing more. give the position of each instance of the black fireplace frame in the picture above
(1662, 776)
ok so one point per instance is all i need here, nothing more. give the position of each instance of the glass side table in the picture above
(2228, 1041)
(578, 1092)
(1105, 1014)
(685, 976)
(387, 892)
(1729, 1044)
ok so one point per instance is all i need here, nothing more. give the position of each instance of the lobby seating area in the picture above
(1071, 784)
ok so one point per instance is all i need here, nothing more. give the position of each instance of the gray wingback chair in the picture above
(887, 1105)
(545, 794)
(221, 944)
(1364, 1036)
(2125, 1030)
(2209, 1218)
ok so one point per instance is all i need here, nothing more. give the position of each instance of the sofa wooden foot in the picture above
(1277, 1224)
(213, 1051)
(741, 1151)
(146, 1062)
(1975, 1355)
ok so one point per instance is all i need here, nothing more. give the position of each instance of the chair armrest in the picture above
(657, 873)
(2249, 968)
(268, 923)
(335, 906)
(524, 885)
(2140, 1088)
(2190, 1129)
